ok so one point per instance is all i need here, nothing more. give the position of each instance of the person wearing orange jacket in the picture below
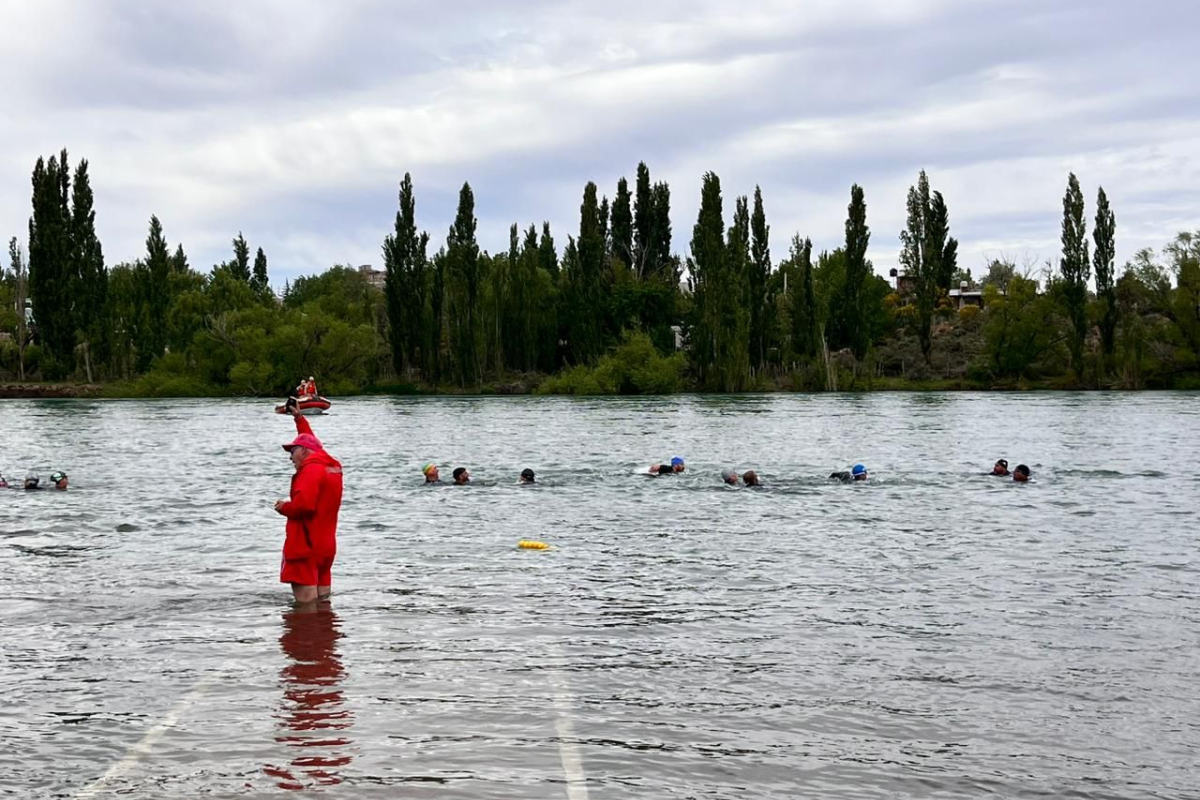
(310, 543)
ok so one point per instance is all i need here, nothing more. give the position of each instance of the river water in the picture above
(934, 633)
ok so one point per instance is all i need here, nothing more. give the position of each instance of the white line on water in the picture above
(135, 753)
(568, 751)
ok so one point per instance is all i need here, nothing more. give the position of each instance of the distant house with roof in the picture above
(374, 277)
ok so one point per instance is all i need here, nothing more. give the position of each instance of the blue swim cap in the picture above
(676, 461)
(859, 469)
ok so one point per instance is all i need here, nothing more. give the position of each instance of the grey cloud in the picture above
(277, 118)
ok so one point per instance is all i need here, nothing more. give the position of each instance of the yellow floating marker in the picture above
(529, 544)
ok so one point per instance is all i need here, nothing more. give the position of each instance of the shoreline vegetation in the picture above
(616, 310)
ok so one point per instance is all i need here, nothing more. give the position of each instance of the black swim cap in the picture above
(527, 474)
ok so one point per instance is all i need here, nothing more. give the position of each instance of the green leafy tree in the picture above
(622, 224)
(940, 247)
(757, 281)
(50, 259)
(153, 339)
(258, 281)
(179, 262)
(586, 283)
(547, 253)
(1021, 336)
(464, 281)
(852, 330)
(1075, 270)
(240, 266)
(405, 284)
(720, 327)
(805, 331)
(20, 295)
(87, 272)
(1104, 234)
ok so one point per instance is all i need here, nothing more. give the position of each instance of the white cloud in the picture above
(294, 121)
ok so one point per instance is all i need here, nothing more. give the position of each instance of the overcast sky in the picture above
(294, 121)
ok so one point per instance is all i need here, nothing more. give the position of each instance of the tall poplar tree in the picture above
(720, 325)
(756, 283)
(157, 296)
(1104, 235)
(50, 262)
(21, 279)
(547, 253)
(1076, 269)
(241, 258)
(622, 224)
(855, 330)
(464, 280)
(643, 221)
(404, 256)
(586, 284)
(920, 261)
(89, 277)
(258, 280)
(802, 303)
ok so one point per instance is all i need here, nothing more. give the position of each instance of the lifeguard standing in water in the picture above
(310, 544)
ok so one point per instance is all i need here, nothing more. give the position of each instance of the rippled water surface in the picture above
(934, 633)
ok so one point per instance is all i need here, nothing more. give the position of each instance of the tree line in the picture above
(613, 309)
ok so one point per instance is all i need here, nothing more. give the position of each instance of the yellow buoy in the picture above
(529, 544)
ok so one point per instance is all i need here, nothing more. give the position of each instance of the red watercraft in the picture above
(309, 406)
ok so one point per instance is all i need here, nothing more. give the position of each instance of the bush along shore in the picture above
(612, 308)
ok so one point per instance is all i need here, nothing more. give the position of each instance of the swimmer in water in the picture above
(527, 477)
(430, 472)
(675, 466)
(1001, 468)
(31, 482)
(461, 476)
(750, 478)
(1021, 474)
(729, 476)
(59, 479)
(858, 473)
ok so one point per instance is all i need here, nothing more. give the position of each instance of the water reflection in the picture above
(312, 714)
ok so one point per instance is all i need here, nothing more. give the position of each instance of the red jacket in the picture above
(312, 511)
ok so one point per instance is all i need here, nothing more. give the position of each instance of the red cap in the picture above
(305, 440)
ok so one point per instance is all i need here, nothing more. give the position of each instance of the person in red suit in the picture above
(310, 541)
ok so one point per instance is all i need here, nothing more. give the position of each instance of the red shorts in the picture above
(311, 571)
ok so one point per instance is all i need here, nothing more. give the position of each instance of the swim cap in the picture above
(58, 476)
(858, 469)
(676, 461)
(726, 474)
(428, 468)
(527, 474)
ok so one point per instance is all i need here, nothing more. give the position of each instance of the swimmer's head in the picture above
(59, 479)
(527, 475)
(1001, 468)
(32, 481)
(750, 478)
(430, 471)
(461, 475)
(677, 464)
(1021, 474)
(859, 472)
(729, 476)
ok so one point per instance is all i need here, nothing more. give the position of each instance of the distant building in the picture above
(375, 277)
(967, 294)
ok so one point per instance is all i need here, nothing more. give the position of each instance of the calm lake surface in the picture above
(935, 633)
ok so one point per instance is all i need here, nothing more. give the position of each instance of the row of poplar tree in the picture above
(461, 316)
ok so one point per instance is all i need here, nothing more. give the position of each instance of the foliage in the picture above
(634, 367)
